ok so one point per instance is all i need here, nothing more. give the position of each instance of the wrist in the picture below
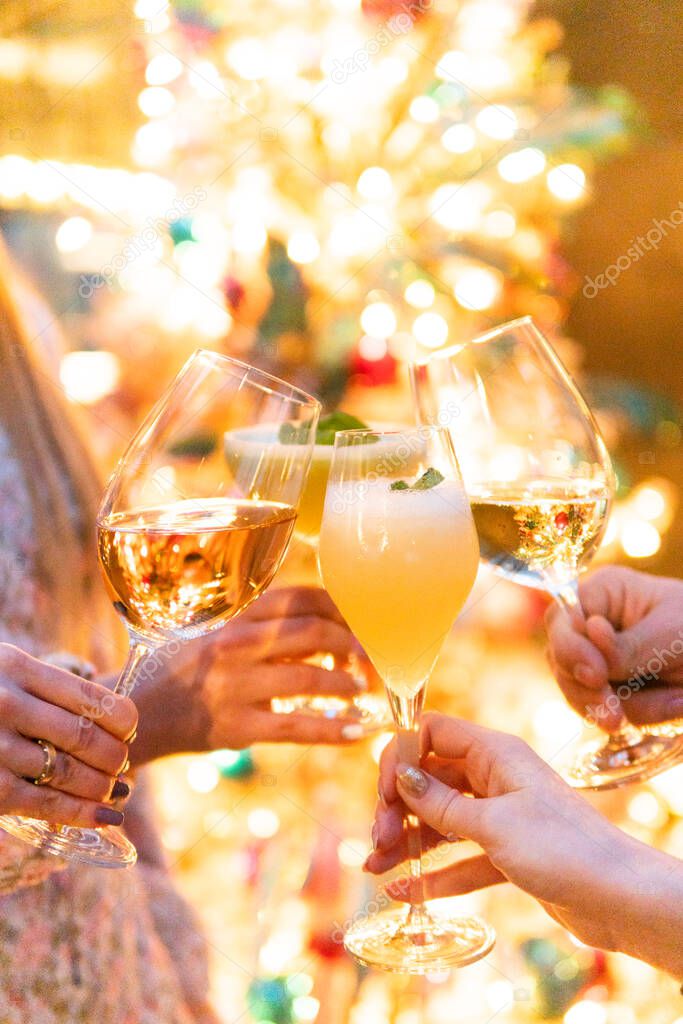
(646, 911)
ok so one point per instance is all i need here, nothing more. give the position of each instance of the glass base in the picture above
(101, 847)
(388, 942)
(367, 710)
(606, 765)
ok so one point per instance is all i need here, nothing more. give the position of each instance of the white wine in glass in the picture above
(186, 544)
(540, 482)
(399, 555)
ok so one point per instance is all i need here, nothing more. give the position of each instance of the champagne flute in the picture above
(368, 710)
(541, 484)
(186, 544)
(399, 555)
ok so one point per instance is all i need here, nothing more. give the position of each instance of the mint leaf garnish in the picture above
(332, 424)
(428, 480)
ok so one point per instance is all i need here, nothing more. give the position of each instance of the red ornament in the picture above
(385, 9)
(561, 521)
(325, 946)
(234, 292)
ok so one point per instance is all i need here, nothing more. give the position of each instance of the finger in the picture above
(440, 806)
(295, 679)
(27, 760)
(456, 880)
(118, 715)
(293, 602)
(302, 637)
(660, 704)
(48, 804)
(74, 734)
(383, 859)
(573, 653)
(298, 727)
(601, 705)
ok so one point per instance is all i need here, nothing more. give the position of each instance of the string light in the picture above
(522, 165)
(498, 122)
(478, 288)
(566, 182)
(425, 110)
(162, 69)
(248, 57)
(303, 247)
(419, 294)
(500, 224)
(431, 330)
(156, 101)
(375, 183)
(459, 138)
(378, 319)
(263, 822)
(372, 349)
(640, 539)
(88, 377)
(202, 775)
(73, 234)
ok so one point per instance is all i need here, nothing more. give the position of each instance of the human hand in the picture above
(534, 830)
(86, 723)
(633, 636)
(216, 692)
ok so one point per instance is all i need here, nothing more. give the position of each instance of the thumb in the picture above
(622, 650)
(444, 808)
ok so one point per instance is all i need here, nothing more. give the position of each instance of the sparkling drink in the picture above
(180, 569)
(541, 532)
(399, 565)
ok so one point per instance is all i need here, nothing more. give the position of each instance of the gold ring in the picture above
(48, 771)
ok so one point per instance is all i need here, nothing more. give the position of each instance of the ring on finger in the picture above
(49, 766)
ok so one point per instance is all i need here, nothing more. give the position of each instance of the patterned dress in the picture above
(81, 945)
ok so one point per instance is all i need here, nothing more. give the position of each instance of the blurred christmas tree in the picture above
(376, 178)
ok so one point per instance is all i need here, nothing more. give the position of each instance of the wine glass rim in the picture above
(509, 325)
(268, 382)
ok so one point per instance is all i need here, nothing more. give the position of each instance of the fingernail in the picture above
(380, 794)
(108, 816)
(120, 789)
(584, 674)
(412, 780)
(374, 835)
(352, 732)
(126, 767)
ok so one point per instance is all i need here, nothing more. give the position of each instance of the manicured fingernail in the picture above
(374, 834)
(352, 732)
(108, 816)
(584, 674)
(120, 789)
(412, 780)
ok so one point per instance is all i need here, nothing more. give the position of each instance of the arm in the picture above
(608, 889)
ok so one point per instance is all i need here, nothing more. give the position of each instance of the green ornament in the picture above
(270, 1000)
(181, 230)
(233, 764)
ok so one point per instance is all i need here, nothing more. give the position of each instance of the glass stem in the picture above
(138, 650)
(626, 735)
(406, 711)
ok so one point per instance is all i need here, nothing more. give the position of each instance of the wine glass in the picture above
(366, 709)
(541, 484)
(399, 555)
(186, 543)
